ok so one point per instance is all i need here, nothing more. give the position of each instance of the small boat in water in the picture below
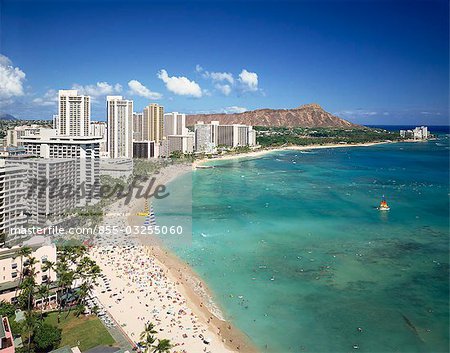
(383, 205)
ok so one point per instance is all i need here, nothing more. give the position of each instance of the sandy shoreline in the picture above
(174, 286)
(262, 152)
(193, 287)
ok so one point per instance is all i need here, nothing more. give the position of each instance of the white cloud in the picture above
(225, 82)
(180, 85)
(227, 110)
(234, 109)
(139, 89)
(225, 89)
(357, 113)
(249, 80)
(99, 89)
(49, 98)
(11, 79)
(219, 76)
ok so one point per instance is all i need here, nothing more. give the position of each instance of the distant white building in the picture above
(178, 143)
(99, 129)
(235, 135)
(251, 137)
(175, 124)
(74, 113)
(120, 127)
(210, 136)
(205, 137)
(55, 121)
(418, 133)
(13, 135)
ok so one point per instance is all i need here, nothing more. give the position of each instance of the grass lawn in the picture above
(84, 332)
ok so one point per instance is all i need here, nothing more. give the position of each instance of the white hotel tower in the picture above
(74, 114)
(120, 127)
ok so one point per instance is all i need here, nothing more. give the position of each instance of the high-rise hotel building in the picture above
(12, 198)
(85, 150)
(47, 182)
(210, 136)
(153, 123)
(120, 127)
(175, 124)
(138, 120)
(74, 114)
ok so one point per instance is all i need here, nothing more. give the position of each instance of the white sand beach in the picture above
(262, 152)
(144, 284)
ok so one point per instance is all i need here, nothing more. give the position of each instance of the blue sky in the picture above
(371, 62)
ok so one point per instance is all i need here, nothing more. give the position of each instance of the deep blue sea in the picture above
(299, 258)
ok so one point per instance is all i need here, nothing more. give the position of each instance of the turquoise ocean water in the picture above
(299, 258)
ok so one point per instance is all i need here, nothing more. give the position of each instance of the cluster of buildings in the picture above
(418, 133)
(45, 172)
(11, 265)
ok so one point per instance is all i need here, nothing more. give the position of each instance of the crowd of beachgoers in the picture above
(138, 288)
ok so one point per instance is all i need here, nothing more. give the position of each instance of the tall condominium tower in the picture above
(174, 124)
(120, 127)
(153, 122)
(74, 114)
(85, 150)
(12, 208)
(47, 180)
(137, 126)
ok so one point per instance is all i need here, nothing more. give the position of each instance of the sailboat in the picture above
(383, 205)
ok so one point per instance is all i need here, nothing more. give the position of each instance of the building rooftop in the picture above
(6, 286)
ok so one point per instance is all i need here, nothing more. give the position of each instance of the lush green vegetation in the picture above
(280, 136)
(41, 332)
(47, 337)
(85, 332)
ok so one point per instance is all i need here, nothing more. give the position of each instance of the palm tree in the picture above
(147, 344)
(163, 346)
(149, 330)
(28, 284)
(30, 325)
(65, 280)
(48, 266)
(22, 252)
(80, 309)
(43, 292)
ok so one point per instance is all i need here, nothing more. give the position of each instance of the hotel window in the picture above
(13, 266)
(14, 274)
